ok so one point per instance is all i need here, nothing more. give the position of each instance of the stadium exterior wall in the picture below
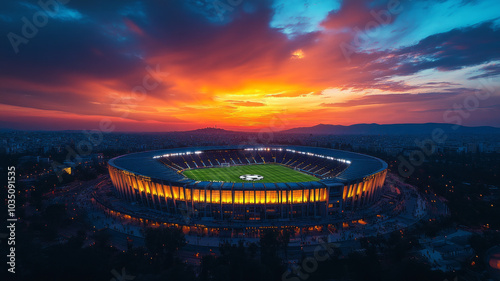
(252, 201)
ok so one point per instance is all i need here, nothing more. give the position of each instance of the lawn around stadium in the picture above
(270, 172)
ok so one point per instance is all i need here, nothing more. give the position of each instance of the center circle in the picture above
(249, 177)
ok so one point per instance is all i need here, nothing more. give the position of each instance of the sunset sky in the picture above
(247, 65)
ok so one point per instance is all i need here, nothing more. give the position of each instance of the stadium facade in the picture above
(347, 181)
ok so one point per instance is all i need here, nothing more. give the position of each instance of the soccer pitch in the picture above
(270, 172)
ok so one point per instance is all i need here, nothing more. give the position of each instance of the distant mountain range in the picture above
(209, 131)
(390, 129)
(326, 129)
(370, 129)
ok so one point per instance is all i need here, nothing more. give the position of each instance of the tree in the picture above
(102, 239)
(283, 240)
(76, 242)
(163, 243)
(55, 214)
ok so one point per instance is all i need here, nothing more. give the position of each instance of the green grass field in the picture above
(270, 172)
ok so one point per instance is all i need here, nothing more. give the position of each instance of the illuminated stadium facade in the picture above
(344, 181)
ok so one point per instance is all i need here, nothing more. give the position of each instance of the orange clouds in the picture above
(238, 74)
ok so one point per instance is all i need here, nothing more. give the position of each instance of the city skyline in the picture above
(152, 67)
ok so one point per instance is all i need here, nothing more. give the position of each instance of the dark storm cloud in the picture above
(488, 71)
(66, 47)
(104, 42)
(447, 51)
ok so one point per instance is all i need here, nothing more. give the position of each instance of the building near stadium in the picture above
(249, 184)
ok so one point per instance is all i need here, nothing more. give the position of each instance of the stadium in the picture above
(251, 186)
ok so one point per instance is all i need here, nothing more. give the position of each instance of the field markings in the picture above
(271, 172)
